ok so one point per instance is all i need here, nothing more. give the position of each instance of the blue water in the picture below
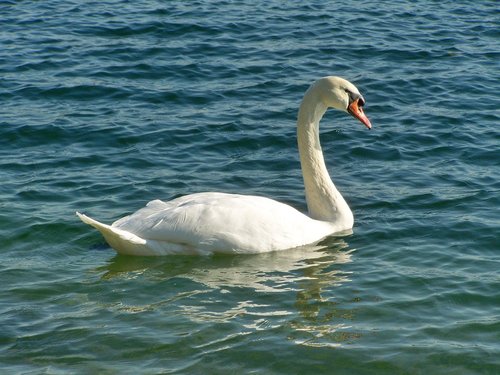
(106, 105)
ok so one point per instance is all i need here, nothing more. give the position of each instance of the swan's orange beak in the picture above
(357, 111)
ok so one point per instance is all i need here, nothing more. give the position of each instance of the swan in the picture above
(207, 223)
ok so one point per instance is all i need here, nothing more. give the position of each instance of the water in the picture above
(109, 104)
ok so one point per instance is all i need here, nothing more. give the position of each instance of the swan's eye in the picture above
(353, 97)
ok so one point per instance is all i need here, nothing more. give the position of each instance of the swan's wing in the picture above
(230, 222)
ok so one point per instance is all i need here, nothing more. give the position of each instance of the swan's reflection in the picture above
(301, 275)
(268, 272)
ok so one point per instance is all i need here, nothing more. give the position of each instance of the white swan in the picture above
(207, 223)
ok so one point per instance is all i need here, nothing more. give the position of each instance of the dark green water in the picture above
(107, 105)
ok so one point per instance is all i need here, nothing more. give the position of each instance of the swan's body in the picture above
(230, 223)
(192, 225)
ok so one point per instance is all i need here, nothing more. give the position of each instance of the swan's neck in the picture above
(324, 201)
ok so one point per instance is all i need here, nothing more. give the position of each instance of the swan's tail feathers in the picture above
(122, 241)
(97, 225)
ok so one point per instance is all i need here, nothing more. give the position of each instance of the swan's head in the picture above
(338, 93)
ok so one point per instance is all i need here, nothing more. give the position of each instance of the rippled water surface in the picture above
(106, 105)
